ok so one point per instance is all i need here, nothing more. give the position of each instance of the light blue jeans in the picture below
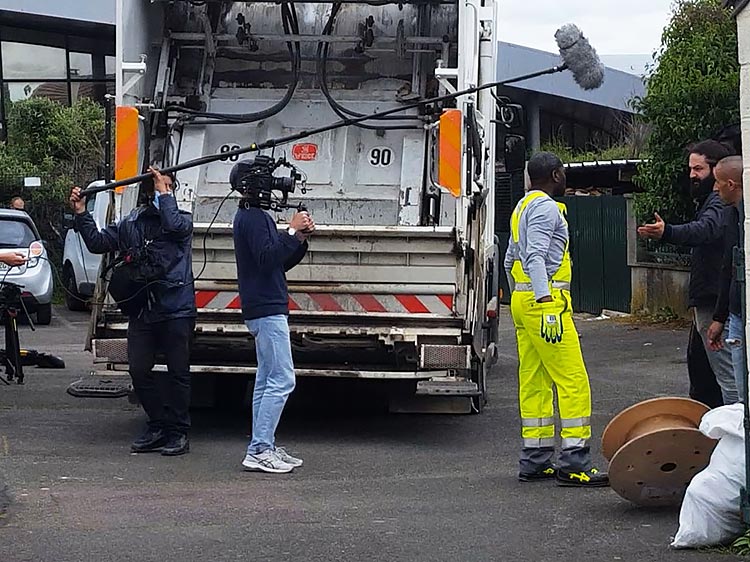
(720, 361)
(274, 381)
(737, 336)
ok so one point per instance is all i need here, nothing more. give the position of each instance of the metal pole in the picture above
(108, 117)
(739, 264)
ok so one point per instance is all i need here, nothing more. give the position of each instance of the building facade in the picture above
(59, 50)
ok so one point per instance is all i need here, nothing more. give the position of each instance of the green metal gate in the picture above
(599, 250)
(598, 245)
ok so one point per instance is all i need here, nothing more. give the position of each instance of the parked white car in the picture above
(19, 233)
(81, 267)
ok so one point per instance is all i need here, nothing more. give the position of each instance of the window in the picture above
(15, 234)
(17, 91)
(64, 68)
(81, 66)
(91, 90)
(25, 61)
(110, 66)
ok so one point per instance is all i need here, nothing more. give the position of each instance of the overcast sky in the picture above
(613, 27)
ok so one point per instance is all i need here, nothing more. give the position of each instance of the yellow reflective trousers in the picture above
(544, 364)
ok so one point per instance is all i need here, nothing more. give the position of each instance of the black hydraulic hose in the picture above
(338, 109)
(290, 24)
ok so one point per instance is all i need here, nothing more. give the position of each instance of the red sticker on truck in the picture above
(305, 151)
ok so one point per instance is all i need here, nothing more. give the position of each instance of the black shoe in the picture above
(586, 479)
(542, 474)
(177, 444)
(151, 441)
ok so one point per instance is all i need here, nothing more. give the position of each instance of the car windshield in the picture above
(15, 234)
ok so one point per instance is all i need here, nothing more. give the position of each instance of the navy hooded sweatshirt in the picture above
(263, 256)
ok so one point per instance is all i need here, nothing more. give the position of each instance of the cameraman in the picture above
(163, 321)
(263, 256)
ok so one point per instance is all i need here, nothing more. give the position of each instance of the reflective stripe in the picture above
(575, 422)
(526, 287)
(574, 443)
(539, 443)
(537, 422)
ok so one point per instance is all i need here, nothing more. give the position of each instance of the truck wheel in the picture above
(73, 299)
(44, 314)
(478, 375)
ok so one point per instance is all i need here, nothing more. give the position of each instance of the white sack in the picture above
(710, 513)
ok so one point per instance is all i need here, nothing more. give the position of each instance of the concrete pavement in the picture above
(374, 486)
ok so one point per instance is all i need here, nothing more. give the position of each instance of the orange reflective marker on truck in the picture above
(126, 144)
(449, 163)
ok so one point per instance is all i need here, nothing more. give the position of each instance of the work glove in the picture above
(551, 329)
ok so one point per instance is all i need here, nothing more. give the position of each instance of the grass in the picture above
(665, 317)
(568, 154)
(740, 547)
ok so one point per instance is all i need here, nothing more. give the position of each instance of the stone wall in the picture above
(656, 288)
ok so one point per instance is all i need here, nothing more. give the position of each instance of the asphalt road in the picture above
(374, 486)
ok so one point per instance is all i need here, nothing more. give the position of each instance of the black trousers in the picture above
(165, 397)
(703, 385)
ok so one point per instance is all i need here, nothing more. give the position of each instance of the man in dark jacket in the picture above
(164, 319)
(728, 312)
(263, 256)
(705, 235)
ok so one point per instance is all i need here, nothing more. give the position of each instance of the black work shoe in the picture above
(151, 441)
(177, 444)
(586, 479)
(542, 474)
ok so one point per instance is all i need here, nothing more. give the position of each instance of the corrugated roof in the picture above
(96, 11)
(604, 163)
(616, 92)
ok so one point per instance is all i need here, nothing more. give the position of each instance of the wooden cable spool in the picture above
(655, 449)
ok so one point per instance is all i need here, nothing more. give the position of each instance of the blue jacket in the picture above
(263, 256)
(171, 233)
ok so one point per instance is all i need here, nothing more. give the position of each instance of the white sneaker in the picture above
(267, 461)
(287, 458)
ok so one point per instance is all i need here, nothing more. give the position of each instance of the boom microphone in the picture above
(580, 57)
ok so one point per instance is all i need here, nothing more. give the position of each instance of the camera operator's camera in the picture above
(256, 182)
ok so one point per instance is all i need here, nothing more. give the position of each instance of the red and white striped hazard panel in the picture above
(340, 302)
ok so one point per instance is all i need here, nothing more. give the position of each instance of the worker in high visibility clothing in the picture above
(549, 353)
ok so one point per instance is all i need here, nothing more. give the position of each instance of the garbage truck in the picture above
(401, 279)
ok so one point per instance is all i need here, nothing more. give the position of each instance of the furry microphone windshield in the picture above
(580, 57)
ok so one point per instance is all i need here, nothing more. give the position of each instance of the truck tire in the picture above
(44, 314)
(478, 375)
(73, 299)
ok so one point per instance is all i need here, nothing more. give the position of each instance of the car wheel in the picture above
(44, 314)
(73, 299)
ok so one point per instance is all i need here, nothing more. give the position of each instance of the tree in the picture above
(62, 145)
(692, 91)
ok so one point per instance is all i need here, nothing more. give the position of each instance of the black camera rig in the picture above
(256, 182)
(13, 358)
